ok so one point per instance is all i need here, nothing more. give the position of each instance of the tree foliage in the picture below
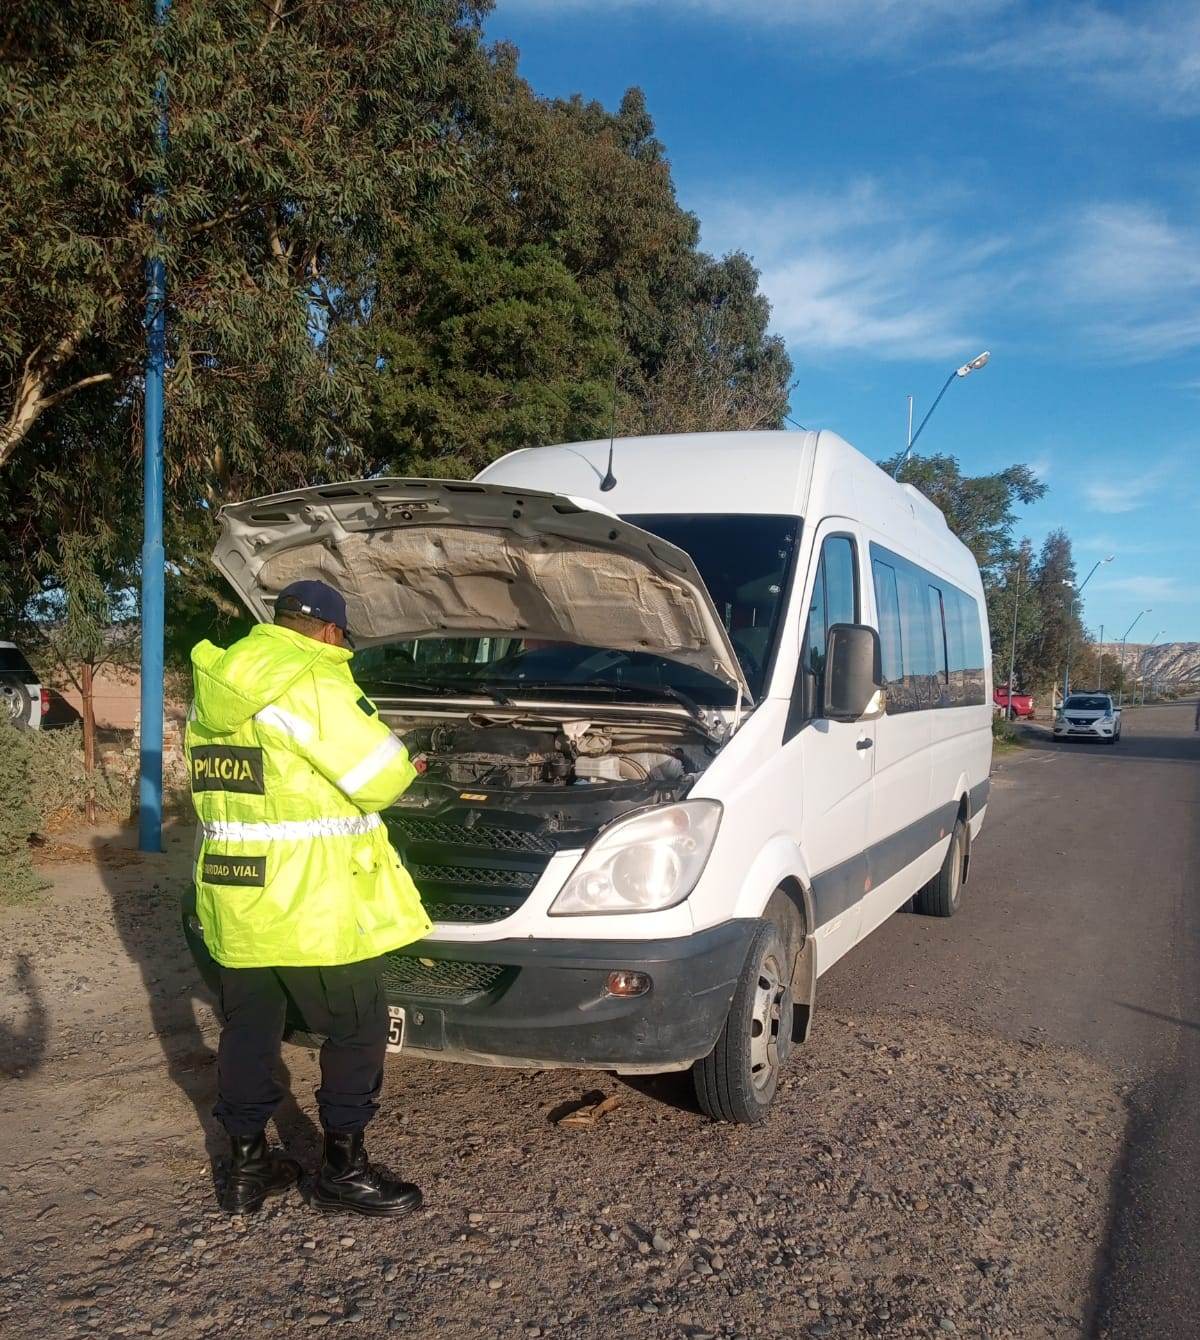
(384, 251)
(980, 509)
(300, 136)
(1037, 591)
(560, 292)
(481, 351)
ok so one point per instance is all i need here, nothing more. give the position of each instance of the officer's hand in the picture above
(420, 762)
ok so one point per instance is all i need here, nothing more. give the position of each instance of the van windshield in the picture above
(744, 561)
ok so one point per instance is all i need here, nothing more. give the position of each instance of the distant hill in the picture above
(1168, 663)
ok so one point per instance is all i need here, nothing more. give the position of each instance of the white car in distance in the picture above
(1088, 716)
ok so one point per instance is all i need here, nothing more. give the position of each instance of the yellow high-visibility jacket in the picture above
(289, 768)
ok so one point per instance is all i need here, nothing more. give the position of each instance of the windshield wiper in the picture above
(659, 691)
(438, 690)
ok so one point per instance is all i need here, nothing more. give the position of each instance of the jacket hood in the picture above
(232, 685)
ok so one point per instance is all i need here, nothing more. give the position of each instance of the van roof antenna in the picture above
(609, 482)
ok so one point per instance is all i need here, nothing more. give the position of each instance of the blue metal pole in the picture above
(153, 564)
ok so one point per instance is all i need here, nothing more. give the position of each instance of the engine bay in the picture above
(553, 774)
(502, 791)
(483, 754)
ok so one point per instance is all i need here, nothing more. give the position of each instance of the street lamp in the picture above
(965, 371)
(1070, 629)
(1121, 691)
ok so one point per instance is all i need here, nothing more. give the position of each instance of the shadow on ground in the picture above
(1132, 745)
(146, 912)
(23, 1045)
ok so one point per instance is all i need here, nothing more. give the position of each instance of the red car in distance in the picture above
(1022, 703)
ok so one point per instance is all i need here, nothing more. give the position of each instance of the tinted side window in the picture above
(932, 636)
(841, 580)
(834, 600)
(12, 662)
(941, 668)
(814, 633)
(916, 636)
(973, 676)
(956, 652)
(887, 600)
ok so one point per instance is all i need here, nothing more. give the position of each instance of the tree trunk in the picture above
(33, 394)
(89, 740)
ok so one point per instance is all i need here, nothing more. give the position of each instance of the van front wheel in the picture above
(737, 1080)
(942, 895)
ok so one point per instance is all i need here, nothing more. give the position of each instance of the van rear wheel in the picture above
(737, 1080)
(942, 895)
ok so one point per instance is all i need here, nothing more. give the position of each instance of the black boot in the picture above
(255, 1173)
(348, 1182)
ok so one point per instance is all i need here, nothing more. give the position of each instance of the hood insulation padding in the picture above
(467, 580)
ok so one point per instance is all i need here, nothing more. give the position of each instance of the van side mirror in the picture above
(853, 673)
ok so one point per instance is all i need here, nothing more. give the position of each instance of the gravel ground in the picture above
(918, 1178)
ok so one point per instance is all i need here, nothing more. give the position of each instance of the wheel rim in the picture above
(766, 1022)
(10, 703)
(955, 869)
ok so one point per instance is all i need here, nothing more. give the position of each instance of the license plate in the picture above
(395, 1040)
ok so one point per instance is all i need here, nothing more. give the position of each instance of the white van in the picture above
(690, 737)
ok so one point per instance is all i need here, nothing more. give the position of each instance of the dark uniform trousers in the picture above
(344, 1004)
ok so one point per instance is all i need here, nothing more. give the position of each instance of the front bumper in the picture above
(1099, 730)
(543, 1003)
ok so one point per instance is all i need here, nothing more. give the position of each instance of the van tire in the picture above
(942, 895)
(737, 1080)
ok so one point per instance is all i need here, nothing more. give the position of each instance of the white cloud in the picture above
(1119, 547)
(857, 271)
(1131, 274)
(1128, 489)
(1147, 54)
(1160, 589)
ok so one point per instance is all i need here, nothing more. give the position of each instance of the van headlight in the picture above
(645, 863)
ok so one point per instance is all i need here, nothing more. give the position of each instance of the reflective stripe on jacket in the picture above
(289, 766)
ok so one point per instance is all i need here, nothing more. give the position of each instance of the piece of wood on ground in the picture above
(589, 1113)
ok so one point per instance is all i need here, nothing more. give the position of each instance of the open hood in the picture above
(442, 558)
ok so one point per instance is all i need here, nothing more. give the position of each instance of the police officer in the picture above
(298, 889)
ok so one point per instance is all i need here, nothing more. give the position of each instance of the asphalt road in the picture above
(1081, 927)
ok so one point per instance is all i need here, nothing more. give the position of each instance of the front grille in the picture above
(412, 828)
(440, 979)
(1081, 721)
(469, 872)
(475, 913)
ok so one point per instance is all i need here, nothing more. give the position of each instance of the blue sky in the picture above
(922, 179)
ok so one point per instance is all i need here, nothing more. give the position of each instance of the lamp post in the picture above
(1075, 595)
(965, 371)
(1100, 661)
(1012, 657)
(153, 560)
(1124, 640)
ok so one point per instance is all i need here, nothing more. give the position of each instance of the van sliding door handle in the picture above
(864, 744)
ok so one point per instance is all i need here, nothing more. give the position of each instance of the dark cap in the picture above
(316, 599)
